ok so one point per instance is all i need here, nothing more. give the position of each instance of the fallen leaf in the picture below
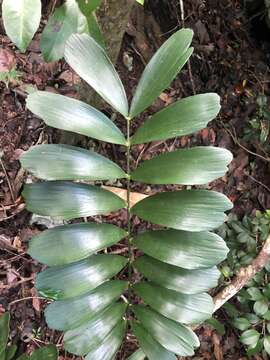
(17, 243)
(11, 276)
(202, 32)
(35, 300)
(69, 77)
(6, 243)
(122, 193)
(7, 60)
(166, 98)
(217, 347)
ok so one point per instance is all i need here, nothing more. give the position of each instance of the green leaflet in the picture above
(181, 118)
(46, 353)
(83, 308)
(65, 162)
(82, 50)
(190, 210)
(266, 344)
(65, 200)
(172, 336)
(250, 337)
(77, 279)
(87, 6)
(90, 334)
(66, 20)
(161, 70)
(21, 20)
(4, 331)
(152, 349)
(195, 166)
(110, 345)
(78, 240)
(189, 250)
(10, 352)
(137, 355)
(176, 278)
(73, 115)
(94, 30)
(186, 309)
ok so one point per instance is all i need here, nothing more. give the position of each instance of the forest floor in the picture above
(229, 59)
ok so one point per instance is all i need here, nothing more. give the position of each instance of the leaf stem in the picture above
(130, 253)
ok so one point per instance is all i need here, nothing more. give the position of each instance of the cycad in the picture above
(178, 265)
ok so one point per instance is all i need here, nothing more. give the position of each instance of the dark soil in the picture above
(231, 58)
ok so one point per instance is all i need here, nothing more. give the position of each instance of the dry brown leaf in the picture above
(35, 300)
(217, 347)
(122, 193)
(7, 60)
(6, 243)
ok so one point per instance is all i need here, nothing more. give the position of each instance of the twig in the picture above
(119, 251)
(182, 12)
(191, 78)
(260, 183)
(140, 155)
(25, 299)
(236, 141)
(17, 283)
(182, 17)
(244, 275)
(8, 181)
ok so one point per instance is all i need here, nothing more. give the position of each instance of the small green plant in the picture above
(8, 352)
(179, 261)
(258, 128)
(250, 314)
(11, 76)
(22, 19)
(244, 238)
